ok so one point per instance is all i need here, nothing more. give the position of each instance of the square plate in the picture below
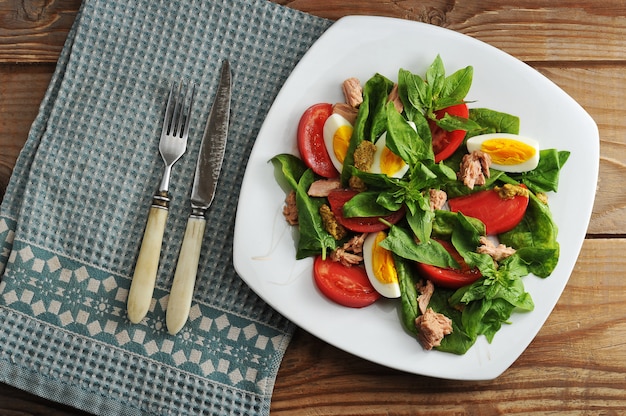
(360, 46)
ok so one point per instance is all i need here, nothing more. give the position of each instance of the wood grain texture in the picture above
(34, 30)
(532, 30)
(576, 364)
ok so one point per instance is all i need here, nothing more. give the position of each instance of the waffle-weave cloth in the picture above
(73, 216)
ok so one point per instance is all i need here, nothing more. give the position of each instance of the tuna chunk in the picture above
(322, 187)
(474, 169)
(353, 92)
(432, 327)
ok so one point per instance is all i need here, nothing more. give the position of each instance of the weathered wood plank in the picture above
(34, 31)
(561, 31)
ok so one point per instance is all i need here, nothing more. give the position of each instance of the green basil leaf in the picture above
(451, 123)
(421, 223)
(458, 84)
(412, 93)
(436, 78)
(403, 140)
(400, 242)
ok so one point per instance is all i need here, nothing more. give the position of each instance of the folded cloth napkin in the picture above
(73, 216)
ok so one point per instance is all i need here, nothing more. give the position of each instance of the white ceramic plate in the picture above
(264, 248)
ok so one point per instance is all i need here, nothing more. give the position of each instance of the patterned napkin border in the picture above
(69, 237)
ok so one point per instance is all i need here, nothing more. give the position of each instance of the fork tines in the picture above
(176, 122)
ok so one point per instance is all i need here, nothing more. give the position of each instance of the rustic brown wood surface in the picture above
(576, 364)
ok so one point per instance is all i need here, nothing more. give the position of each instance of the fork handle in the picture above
(142, 286)
(185, 276)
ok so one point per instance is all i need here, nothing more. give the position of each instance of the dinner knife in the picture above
(205, 180)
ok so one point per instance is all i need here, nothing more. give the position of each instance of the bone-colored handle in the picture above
(185, 276)
(142, 286)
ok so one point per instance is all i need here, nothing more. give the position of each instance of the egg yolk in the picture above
(382, 262)
(341, 141)
(507, 151)
(390, 163)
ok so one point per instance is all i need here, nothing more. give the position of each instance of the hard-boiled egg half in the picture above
(387, 162)
(337, 133)
(380, 266)
(509, 152)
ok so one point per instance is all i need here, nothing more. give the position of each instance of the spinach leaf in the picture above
(407, 280)
(445, 223)
(534, 238)
(371, 120)
(313, 238)
(365, 204)
(457, 342)
(291, 168)
(491, 121)
(545, 177)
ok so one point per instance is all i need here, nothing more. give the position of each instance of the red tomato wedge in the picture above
(447, 277)
(311, 140)
(347, 286)
(499, 215)
(337, 199)
(445, 142)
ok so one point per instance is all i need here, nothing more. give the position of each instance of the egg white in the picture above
(331, 125)
(388, 290)
(476, 142)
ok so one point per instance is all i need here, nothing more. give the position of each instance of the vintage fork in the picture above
(172, 146)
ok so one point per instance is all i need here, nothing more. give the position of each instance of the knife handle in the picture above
(185, 276)
(142, 286)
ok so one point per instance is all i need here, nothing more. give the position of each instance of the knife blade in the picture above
(206, 176)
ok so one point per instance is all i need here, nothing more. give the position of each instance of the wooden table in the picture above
(576, 364)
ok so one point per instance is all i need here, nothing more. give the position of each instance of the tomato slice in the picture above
(311, 140)
(347, 286)
(445, 142)
(448, 277)
(337, 199)
(499, 215)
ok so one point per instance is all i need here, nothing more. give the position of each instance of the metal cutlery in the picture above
(203, 190)
(172, 146)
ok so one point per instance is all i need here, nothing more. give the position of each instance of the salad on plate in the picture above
(408, 191)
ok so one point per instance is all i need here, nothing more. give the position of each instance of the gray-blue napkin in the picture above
(73, 216)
